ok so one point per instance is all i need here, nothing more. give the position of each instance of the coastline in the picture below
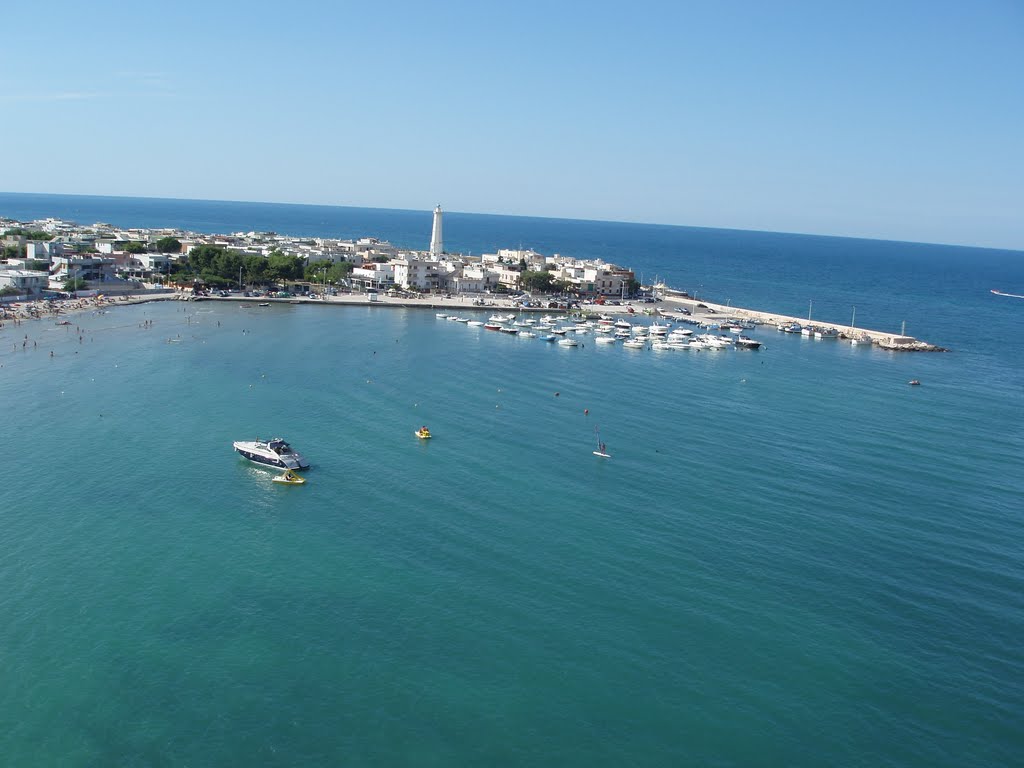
(712, 312)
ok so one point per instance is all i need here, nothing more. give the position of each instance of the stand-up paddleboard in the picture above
(601, 447)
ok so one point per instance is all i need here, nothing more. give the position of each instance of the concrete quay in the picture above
(720, 312)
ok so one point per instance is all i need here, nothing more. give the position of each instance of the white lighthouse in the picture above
(436, 239)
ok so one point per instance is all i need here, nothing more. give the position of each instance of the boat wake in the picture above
(1010, 295)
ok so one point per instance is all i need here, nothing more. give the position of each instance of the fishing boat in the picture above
(289, 478)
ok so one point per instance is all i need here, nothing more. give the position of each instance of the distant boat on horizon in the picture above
(1011, 295)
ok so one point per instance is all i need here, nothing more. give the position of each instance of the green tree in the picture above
(73, 284)
(168, 245)
(8, 290)
(29, 234)
(255, 270)
(282, 267)
(539, 281)
(13, 252)
(134, 246)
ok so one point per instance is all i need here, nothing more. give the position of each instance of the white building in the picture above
(421, 274)
(374, 275)
(26, 282)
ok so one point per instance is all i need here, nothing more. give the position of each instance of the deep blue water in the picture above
(793, 558)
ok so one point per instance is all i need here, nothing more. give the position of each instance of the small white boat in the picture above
(568, 341)
(634, 343)
(605, 339)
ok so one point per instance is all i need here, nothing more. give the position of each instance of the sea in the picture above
(792, 557)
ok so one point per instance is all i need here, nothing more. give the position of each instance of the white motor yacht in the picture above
(271, 453)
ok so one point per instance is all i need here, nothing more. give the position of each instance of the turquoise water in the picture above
(793, 558)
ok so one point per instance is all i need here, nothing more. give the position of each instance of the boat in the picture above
(549, 337)
(527, 335)
(492, 326)
(634, 343)
(745, 342)
(271, 453)
(263, 304)
(289, 478)
(606, 339)
(423, 433)
(475, 322)
(914, 383)
(1011, 295)
(508, 329)
(568, 341)
(441, 315)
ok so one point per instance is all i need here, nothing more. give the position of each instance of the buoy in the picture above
(586, 411)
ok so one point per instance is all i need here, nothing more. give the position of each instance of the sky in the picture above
(893, 119)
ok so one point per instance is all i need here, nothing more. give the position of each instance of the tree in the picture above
(539, 282)
(168, 245)
(73, 284)
(134, 247)
(29, 234)
(282, 267)
(8, 290)
(13, 252)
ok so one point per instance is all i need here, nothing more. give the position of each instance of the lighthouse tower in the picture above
(436, 239)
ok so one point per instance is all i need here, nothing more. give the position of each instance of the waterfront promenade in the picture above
(703, 311)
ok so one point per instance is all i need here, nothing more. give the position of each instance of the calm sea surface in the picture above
(793, 558)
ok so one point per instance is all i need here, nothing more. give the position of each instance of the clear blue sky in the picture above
(896, 120)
